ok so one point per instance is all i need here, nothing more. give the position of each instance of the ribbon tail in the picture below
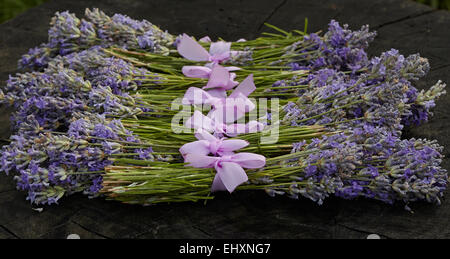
(231, 69)
(204, 135)
(227, 114)
(243, 103)
(217, 184)
(231, 83)
(192, 50)
(232, 109)
(219, 78)
(231, 145)
(231, 176)
(249, 160)
(200, 122)
(196, 71)
(200, 147)
(246, 87)
(200, 161)
(220, 48)
(254, 126)
(195, 95)
(232, 130)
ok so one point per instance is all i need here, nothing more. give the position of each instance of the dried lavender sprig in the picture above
(367, 162)
(421, 104)
(53, 94)
(100, 69)
(69, 34)
(385, 93)
(340, 48)
(55, 112)
(44, 162)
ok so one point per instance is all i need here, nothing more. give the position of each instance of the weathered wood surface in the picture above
(401, 24)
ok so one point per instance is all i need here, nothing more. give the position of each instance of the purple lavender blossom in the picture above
(370, 162)
(49, 165)
(340, 48)
(69, 34)
(384, 96)
(53, 95)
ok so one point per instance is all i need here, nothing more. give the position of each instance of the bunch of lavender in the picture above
(383, 96)
(82, 81)
(340, 48)
(100, 69)
(69, 34)
(366, 162)
(48, 165)
(52, 96)
(343, 51)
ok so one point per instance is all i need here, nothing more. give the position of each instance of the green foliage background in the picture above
(11, 8)
(438, 4)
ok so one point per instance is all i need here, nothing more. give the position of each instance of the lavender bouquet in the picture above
(115, 107)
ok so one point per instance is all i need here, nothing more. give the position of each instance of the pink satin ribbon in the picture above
(229, 166)
(209, 144)
(203, 72)
(200, 122)
(192, 50)
(226, 110)
(220, 79)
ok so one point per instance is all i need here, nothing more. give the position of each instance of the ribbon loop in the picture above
(209, 144)
(192, 50)
(229, 168)
(196, 71)
(201, 122)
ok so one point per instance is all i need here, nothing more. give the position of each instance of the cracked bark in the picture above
(362, 231)
(9, 231)
(403, 19)
(272, 13)
(441, 67)
(9, 190)
(89, 230)
(203, 231)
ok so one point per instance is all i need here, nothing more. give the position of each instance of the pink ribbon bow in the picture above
(208, 144)
(202, 71)
(201, 123)
(229, 168)
(192, 50)
(228, 109)
(220, 79)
